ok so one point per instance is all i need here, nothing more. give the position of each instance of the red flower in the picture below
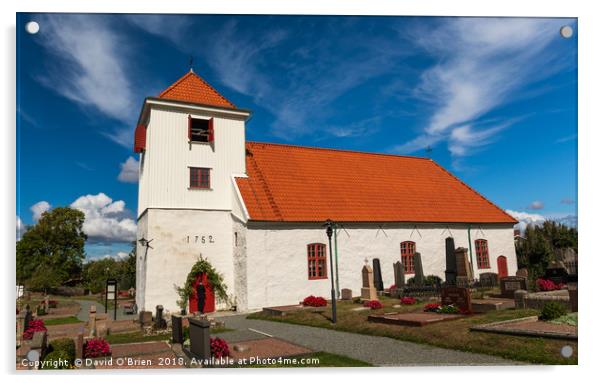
(35, 325)
(219, 348)
(314, 301)
(548, 285)
(408, 301)
(96, 347)
(432, 307)
(392, 287)
(374, 305)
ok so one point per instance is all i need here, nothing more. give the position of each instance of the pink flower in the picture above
(219, 348)
(96, 347)
(408, 301)
(432, 307)
(35, 325)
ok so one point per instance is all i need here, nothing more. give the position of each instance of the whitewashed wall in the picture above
(164, 177)
(142, 232)
(177, 244)
(277, 255)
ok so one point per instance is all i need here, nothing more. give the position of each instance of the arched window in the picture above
(316, 261)
(408, 249)
(482, 251)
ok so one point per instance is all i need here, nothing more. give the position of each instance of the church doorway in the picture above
(502, 266)
(202, 298)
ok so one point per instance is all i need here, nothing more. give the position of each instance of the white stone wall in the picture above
(142, 232)
(277, 255)
(177, 242)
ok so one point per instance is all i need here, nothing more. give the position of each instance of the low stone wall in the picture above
(538, 300)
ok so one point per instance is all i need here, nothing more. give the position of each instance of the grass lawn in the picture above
(311, 360)
(451, 334)
(570, 319)
(66, 320)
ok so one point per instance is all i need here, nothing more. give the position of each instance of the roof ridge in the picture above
(473, 190)
(340, 150)
(192, 73)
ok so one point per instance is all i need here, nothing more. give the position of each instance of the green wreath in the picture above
(215, 279)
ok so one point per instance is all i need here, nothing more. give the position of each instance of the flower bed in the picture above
(374, 305)
(313, 301)
(548, 285)
(96, 347)
(219, 348)
(408, 301)
(35, 325)
(432, 307)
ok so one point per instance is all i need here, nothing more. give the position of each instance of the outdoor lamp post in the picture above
(328, 224)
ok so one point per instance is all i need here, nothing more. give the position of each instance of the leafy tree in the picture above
(538, 247)
(51, 252)
(97, 272)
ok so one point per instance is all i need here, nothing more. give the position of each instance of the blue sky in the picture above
(494, 99)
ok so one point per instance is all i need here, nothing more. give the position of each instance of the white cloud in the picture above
(20, 228)
(38, 209)
(91, 68)
(524, 219)
(480, 63)
(105, 220)
(536, 205)
(129, 171)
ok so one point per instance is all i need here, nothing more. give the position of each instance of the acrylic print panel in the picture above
(230, 172)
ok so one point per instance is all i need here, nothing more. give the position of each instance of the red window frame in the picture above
(408, 249)
(316, 261)
(482, 249)
(200, 178)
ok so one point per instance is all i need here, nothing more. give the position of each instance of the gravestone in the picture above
(463, 268)
(399, 274)
(378, 278)
(92, 320)
(508, 285)
(488, 279)
(573, 296)
(79, 344)
(418, 272)
(520, 299)
(523, 272)
(145, 318)
(557, 272)
(200, 345)
(132, 292)
(457, 296)
(177, 334)
(368, 290)
(450, 261)
(346, 294)
(39, 342)
(46, 304)
(160, 323)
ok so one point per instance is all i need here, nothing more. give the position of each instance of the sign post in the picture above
(111, 293)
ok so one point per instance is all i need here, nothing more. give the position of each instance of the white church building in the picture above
(256, 210)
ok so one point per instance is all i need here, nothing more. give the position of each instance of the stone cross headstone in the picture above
(450, 262)
(368, 290)
(378, 278)
(418, 272)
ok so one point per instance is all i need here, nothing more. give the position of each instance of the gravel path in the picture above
(376, 350)
(100, 309)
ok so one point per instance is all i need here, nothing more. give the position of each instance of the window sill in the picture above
(317, 278)
(200, 142)
(191, 188)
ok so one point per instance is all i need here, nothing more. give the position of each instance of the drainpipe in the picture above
(336, 260)
(470, 251)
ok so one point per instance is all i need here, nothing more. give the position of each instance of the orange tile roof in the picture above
(302, 184)
(192, 88)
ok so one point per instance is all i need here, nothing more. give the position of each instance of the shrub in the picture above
(374, 305)
(96, 347)
(449, 309)
(314, 301)
(64, 345)
(219, 348)
(428, 280)
(408, 301)
(35, 325)
(40, 311)
(548, 285)
(552, 310)
(432, 307)
(57, 360)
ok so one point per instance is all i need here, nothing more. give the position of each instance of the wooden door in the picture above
(502, 266)
(202, 295)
